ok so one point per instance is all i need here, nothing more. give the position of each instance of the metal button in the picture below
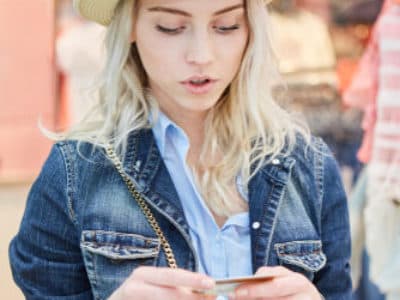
(276, 161)
(255, 225)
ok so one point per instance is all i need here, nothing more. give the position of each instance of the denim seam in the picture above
(158, 200)
(151, 164)
(95, 285)
(317, 245)
(120, 247)
(319, 178)
(274, 223)
(114, 233)
(70, 179)
(130, 155)
(259, 234)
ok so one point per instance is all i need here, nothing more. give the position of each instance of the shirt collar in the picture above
(164, 128)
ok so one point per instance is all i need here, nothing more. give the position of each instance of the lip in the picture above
(199, 89)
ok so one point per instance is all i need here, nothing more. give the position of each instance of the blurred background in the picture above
(49, 57)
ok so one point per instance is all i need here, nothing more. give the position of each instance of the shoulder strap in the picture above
(144, 207)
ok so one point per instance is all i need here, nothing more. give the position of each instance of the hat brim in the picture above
(101, 11)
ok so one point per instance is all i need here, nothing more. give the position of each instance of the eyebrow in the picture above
(186, 14)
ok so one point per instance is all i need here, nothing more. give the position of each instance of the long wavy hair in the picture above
(246, 126)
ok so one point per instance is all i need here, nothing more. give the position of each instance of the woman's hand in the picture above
(163, 283)
(285, 285)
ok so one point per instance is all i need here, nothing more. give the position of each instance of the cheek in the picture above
(157, 64)
(232, 52)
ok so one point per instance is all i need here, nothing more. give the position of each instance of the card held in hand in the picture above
(224, 287)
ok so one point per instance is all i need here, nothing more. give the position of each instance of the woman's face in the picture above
(191, 50)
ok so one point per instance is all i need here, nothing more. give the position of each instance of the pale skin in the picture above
(209, 39)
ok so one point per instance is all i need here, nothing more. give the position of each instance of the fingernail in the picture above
(242, 293)
(207, 283)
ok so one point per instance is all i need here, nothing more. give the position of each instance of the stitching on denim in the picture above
(152, 163)
(93, 280)
(130, 155)
(153, 252)
(259, 234)
(319, 177)
(300, 263)
(97, 245)
(69, 178)
(296, 258)
(114, 233)
(317, 243)
(319, 169)
(283, 193)
(180, 220)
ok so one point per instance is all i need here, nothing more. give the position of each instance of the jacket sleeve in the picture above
(45, 257)
(334, 280)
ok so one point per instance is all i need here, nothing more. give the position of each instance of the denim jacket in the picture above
(83, 234)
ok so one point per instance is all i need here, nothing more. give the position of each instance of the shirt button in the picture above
(255, 225)
(276, 161)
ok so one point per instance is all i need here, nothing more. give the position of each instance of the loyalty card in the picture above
(224, 287)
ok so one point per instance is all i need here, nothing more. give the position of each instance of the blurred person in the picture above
(80, 57)
(376, 89)
(318, 7)
(193, 166)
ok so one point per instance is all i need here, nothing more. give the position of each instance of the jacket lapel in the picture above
(266, 189)
(143, 163)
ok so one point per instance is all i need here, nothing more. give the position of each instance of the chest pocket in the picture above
(305, 257)
(110, 257)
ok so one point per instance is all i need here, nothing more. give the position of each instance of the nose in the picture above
(200, 48)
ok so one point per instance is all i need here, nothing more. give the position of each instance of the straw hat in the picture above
(100, 11)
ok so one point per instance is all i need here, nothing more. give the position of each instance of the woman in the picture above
(192, 166)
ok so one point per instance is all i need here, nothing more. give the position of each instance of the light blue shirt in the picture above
(222, 252)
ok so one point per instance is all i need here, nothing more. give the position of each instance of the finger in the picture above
(283, 286)
(173, 278)
(142, 290)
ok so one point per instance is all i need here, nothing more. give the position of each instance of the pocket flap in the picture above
(116, 245)
(305, 254)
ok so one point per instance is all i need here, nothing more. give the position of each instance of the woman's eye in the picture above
(170, 31)
(177, 30)
(226, 29)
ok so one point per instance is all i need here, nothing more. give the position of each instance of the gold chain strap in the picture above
(144, 207)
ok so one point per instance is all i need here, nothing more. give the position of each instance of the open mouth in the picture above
(199, 85)
(199, 82)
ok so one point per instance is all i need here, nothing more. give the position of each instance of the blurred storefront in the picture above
(27, 86)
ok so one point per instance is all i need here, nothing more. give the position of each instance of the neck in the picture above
(192, 124)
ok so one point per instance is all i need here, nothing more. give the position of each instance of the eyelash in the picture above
(175, 31)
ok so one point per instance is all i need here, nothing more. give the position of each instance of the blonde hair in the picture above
(246, 127)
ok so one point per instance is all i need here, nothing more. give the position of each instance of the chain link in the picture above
(144, 207)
